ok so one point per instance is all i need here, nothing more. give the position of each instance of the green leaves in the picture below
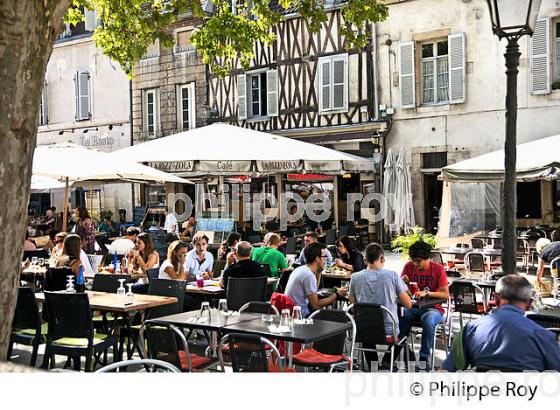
(225, 38)
(402, 243)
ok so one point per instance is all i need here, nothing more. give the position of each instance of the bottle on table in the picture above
(80, 281)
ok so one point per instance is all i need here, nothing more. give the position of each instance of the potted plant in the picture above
(402, 243)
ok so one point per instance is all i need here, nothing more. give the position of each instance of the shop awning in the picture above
(223, 149)
(539, 159)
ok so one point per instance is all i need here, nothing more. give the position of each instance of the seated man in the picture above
(311, 237)
(432, 282)
(302, 285)
(381, 286)
(506, 339)
(547, 252)
(122, 246)
(243, 267)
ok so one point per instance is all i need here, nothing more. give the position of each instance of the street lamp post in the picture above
(511, 19)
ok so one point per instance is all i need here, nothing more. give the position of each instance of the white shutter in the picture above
(83, 96)
(241, 97)
(457, 70)
(324, 84)
(91, 20)
(272, 93)
(77, 95)
(157, 126)
(339, 83)
(192, 105)
(540, 65)
(406, 74)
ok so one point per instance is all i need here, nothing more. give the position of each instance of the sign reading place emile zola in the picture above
(172, 166)
(278, 166)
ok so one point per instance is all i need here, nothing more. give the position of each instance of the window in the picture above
(186, 111)
(44, 107)
(435, 73)
(257, 94)
(333, 83)
(83, 100)
(83, 27)
(152, 51)
(183, 41)
(151, 112)
(434, 160)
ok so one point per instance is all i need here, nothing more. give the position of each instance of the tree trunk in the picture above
(28, 29)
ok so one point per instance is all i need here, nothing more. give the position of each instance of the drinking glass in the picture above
(34, 260)
(222, 307)
(70, 285)
(41, 261)
(205, 311)
(538, 302)
(199, 281)
(121, 291)
(285, 320)
(296, 315)
(129, 294)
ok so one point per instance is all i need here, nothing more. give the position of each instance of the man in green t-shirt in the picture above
(270, 255)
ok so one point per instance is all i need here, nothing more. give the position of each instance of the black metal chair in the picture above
(464, 300)
(108, 283)
(267, 270)
(162, 342)
(475, 263)
(330, 237)
(248, 353)
(150, 365)
(371, 332)
(545, 321)
(328, 354)
(55, 278)
(70, 331)
(437, 257)
(291, 245)
(283, 281)
(243, 290)
(152, 274)
(264, 308)
(218, 267)
(39, 253)
(478, 243)
(27, 327)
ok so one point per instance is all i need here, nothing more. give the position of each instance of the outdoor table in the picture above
(191, 320)
(111, 302)
(337, 274)
(214, 291)
(489, 253)
(305, 333)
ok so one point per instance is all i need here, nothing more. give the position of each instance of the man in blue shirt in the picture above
(506, 339)
(309, 238)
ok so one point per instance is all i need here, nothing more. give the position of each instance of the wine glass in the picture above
(121, 291)
(70, 285)
(41, 261)
(205, 311)
(296, 315)
(129, 294)
(222, 307)
(34, 260)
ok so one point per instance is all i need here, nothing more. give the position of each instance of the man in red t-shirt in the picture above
(432, 283)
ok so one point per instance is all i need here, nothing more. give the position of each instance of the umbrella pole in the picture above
(90, 198)
(65, 207)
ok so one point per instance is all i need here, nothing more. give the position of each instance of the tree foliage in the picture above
(129, 27)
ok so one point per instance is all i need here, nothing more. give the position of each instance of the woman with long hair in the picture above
(71, 254)
(142, 258)
(85, 230)
(350, 258)
(228, 245)
(174, 266)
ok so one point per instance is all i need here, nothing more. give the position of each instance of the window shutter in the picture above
(91, 20)
(84, 96)
(540, 65)
(157, 126)
(192, 105)
(457, 71)
(241, 97)
(77, 95)
(406, 74)
(340, 83)
(272, 92)
(324, 85)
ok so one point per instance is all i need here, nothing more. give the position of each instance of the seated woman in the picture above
(51, 242)
(351, 259)
(71, 254)
(174, 266)
(56, 252)
(28, 245)
(140, 259)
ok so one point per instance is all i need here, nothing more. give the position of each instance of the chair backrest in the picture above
(453, 274)
(291, 245)
(477, 243)
(39, 253)
(264, 308)
(55, 278)
(344, 230)
(370, 322)
(218, 267)
(280, 301)
(132, 366)
(243, 290)
(108, 283)
(283, 281)
(522, 246)
(254, 238)
(26, 315)
(152, 274)
(335, 344)
(330, 237)
(437, 257)
(69, 315)
(475, 262)
(248, 353)
(463, 294)
(167, 287)
(545, 321)
(267, 270)
(555, 235)
(162, 344)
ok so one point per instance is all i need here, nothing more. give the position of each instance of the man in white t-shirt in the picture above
(171, 225)
(122, 246)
